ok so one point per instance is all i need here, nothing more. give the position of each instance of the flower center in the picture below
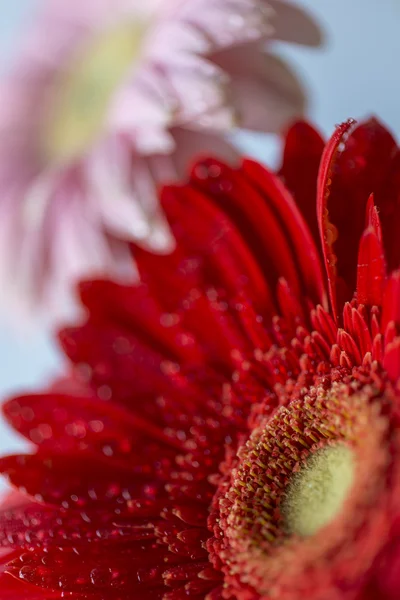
(82, 93)
(317, 492)
(307, 480)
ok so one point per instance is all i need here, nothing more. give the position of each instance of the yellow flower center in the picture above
(317, 492)
(82, 93)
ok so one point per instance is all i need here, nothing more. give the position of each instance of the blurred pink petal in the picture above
(110, 99)
(293, 24)
(265, 91)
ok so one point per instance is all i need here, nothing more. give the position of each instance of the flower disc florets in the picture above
(304, 487)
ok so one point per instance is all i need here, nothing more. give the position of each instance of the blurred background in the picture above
(354, 75)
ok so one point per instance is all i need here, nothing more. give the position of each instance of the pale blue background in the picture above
(355, 75)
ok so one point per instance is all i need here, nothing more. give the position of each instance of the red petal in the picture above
(290, 307)
(38, 526)
(371, 269)
(134, 309)
(13, 589)
(78, 480)
(361, 332)
(391, 302)
(391, 360)
(211, 267)
(348, 345)
(263, 233)
(373, 219)
(114, 354)
(99, 571)
(70, 423)
(327, 229)
(215, 237)
(303, 251)
(184, 572)
(355, 164)
(388, 203)
(301, 159)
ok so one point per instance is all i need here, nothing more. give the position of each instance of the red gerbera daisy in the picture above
(230, 427)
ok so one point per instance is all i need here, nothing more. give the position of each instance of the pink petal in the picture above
(190, 145)
(294, 24)
(265, 91)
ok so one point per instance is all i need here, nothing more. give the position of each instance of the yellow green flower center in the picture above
(317, 492)
(305, 485)
(82, 93)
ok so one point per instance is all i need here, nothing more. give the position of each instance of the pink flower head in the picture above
(108, 99)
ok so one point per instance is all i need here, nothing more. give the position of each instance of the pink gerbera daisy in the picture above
(109, 98)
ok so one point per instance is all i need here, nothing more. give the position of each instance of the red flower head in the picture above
(230, 428)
